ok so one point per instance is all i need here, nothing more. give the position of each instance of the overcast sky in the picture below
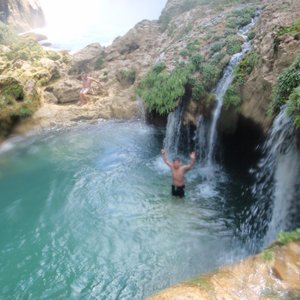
(104, 18)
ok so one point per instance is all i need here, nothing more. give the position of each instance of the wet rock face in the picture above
(22, 15)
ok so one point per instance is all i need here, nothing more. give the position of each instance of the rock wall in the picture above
(274, 55)
(21, 15)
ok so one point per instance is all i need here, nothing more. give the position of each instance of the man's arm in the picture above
(93, 79)
(164, 156)
(193, 159)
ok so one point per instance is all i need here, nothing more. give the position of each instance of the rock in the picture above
(85, 59)
(34, 36)
(253, 278)
(67, 91)
(22, 15)
(49, 97)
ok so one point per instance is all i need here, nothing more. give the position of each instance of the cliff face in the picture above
(21, 15)
(192, 40)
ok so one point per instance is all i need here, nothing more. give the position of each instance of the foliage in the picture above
(160, 89)
(197, 61)
(229, 31)
(283, 91)
(293, 108)
(184, 53)
(267, 255)
(198, 89)
(232, 99)
(216, 47)
(240, 17)
(233, 45)
(126, 76)
(245, 67)
(99, 63)
(211, 74)
(251, 35)
(292, 30)
(285, 237)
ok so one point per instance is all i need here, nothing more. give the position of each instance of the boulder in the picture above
(34, 36)
(85, 59)
(66, 91)
(22, 15)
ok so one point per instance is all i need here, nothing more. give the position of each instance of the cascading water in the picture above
(220, 91)
(278, 176)
(172, 138)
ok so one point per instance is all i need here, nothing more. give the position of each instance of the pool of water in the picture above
(86, 213)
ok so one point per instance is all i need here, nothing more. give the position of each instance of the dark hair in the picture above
(176, 158)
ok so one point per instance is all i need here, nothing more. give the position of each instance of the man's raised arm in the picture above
(193, 159)
(164, 156)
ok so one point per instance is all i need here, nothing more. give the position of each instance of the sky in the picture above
(73, 24)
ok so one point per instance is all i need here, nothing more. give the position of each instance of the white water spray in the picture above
(278, 177)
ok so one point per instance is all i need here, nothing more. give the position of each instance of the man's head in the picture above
(176, 163)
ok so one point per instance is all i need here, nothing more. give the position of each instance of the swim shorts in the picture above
(178, 191)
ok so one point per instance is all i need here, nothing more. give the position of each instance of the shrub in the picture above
(184, 53)
(231, 98)
(233, 45)
(198, 90)
(126, 76)
(245, 67)
(197, 61)
(287, 237)
(210, 75)
(216, 47)
(241, 17)
(99, 63)
(287, 81)
(229, 31)
(251, 35)
(293, 108)
(160, 90)
(292, 30)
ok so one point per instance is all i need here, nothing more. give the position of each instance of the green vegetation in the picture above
(242, 71)
(267, 254)
(14, 105)
(233, 45)
(99, 63)
(232, 98)
(126, 76)
(240, 17)
(160, 89)
(285, 237)
(216, 47)
(286, 90)
(291, 30)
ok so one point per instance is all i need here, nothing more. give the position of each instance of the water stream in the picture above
(221, 89)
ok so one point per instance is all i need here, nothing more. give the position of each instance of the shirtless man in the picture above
(86, 86)
(178, 172)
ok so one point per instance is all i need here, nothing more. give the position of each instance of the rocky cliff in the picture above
(21, 15)
(183, 54)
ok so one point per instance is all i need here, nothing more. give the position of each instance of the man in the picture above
(86, 86)
(178, 172)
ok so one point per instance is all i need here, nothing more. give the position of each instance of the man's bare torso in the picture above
(178, 176)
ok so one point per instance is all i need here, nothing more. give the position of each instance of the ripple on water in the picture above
(91, 216)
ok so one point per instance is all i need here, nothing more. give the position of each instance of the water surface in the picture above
(86, 213)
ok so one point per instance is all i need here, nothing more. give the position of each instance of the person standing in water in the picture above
(86, 86)
(178, 172)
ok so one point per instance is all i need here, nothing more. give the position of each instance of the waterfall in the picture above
(202, 139)
(173, 131)
(141, 108)
(278, 175)
(222, 87)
